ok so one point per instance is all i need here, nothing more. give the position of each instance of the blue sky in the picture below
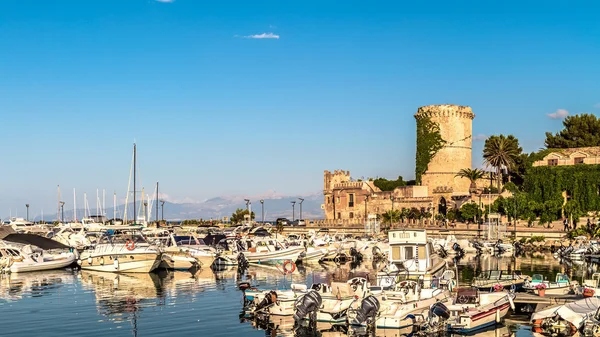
(216, 111)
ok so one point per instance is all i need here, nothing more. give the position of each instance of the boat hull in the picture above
(130, 263)
(274, 257)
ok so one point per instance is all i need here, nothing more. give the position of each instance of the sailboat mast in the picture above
(157, 203)
(134, 168)
(57, 202)
(74, 206)
(103, 202)
(114, 205)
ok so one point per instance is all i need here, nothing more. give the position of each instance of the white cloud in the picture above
(597, 105)
(480, 137)
(165, 1)
(263, 36)
(559, 114)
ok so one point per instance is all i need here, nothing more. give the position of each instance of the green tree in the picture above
(389, 185)
(573, 210)
(579, 131)
(473, 175)
(238, 216)
(429, 142)
(500, 152)
(390, 217)
(469, 211)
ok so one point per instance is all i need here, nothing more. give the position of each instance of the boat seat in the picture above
(341, 289)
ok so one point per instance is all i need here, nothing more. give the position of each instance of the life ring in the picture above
(130, 245)
(288, 270)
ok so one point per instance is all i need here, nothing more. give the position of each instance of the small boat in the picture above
(269, 250)
(29, 252)
(561, 285)
(335, 300)
(27, 258)
(472, 310)
(567, 319)
(487, 280)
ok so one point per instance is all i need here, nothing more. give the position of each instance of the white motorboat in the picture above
(259, 250)
(18, 254)
(125, 252)
(561, 285)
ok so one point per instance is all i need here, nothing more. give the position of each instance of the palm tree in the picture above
(473, 175)
(390, 216)
(500, 153)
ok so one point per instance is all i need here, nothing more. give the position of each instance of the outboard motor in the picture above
(307, 305)
(377, 254)
(369, 307)
(242, 262)
(356, 255)
(270, 298)
(439, 310)
(459, 251)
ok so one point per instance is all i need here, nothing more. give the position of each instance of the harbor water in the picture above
(202, 303)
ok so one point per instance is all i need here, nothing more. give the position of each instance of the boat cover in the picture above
(574, 312)
(34, 240)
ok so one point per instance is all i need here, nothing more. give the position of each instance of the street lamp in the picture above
(293, 210)
(162, 210)
(62, 209)
(27, 205)
(392, 215)
(262, 211)
(301, 200)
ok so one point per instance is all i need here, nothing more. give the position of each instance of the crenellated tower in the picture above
(456, 129)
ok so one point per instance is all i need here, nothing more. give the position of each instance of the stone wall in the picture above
(455, 124)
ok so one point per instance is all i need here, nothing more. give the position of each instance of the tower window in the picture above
(351, 200)
(351, 215)
(339, 215)
(552, 162)
(579, 160)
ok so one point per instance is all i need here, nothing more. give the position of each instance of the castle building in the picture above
(348, 200)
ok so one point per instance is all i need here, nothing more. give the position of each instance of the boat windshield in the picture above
(562, 278)
(537, 278)
(185, 240)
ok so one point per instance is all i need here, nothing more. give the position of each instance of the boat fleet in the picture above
(414, 291)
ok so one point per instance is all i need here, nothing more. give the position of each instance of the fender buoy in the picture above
(286, 267)
(588, 292)
(130, 245)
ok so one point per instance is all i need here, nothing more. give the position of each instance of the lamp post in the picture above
(262, 211)
(62, 210)
(162, 210)
(27, 206)
(301, 200)
(248, 207)
(366, 202)
(392, 215)
(293, 210)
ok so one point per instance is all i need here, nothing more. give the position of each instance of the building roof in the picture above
(592, 151)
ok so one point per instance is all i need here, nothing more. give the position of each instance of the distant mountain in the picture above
(219, 207)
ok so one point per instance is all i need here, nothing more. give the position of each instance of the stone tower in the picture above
(456, 125)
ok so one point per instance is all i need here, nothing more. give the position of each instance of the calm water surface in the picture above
(75, 303)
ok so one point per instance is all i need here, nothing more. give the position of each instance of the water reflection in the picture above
(138, 303)
(14, 287)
